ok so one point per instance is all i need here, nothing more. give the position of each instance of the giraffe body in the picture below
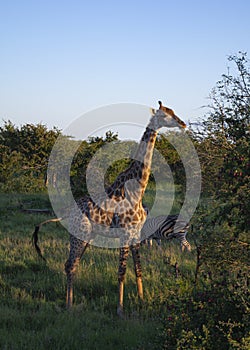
(119, 214)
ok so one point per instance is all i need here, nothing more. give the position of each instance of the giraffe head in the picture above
(165, 117)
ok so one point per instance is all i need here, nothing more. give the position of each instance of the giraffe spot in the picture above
(97, 218)
(127, 220)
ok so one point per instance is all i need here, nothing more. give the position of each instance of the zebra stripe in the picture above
(166, 227)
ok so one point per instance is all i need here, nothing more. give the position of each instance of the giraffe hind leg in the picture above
(77, 249)
(121, 277)
(138, 269)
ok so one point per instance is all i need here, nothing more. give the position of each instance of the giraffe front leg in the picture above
(121, 277)
(69, 296)
(138, 269)
(77, 248)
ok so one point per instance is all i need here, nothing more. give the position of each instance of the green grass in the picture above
(32, 306)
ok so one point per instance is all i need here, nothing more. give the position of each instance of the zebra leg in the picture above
(158, 241)
(77, 248)
(138, 269)
(185, 245)
(150, 243)
(121, 277)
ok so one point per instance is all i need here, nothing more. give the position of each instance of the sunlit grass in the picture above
(32, 307)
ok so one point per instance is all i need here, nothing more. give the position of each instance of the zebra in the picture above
(166, 227)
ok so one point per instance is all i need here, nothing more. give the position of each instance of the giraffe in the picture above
(121, 210)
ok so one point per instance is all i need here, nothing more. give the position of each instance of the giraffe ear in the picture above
(152, 111)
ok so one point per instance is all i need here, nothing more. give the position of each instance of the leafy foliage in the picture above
(24, 156)
(221, 223)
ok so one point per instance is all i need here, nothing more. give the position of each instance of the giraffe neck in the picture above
(140, 167)
(132, 182)
(143, 157)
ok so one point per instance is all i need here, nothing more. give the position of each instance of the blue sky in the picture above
(62, 58)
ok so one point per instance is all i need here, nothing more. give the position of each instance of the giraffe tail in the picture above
(35, 240)
(35, 235)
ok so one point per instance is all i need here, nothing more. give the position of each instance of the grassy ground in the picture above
(32, 306)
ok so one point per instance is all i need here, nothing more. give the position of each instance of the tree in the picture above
(227, 130)
(24, 156)
(80, 162)
(221, 223)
